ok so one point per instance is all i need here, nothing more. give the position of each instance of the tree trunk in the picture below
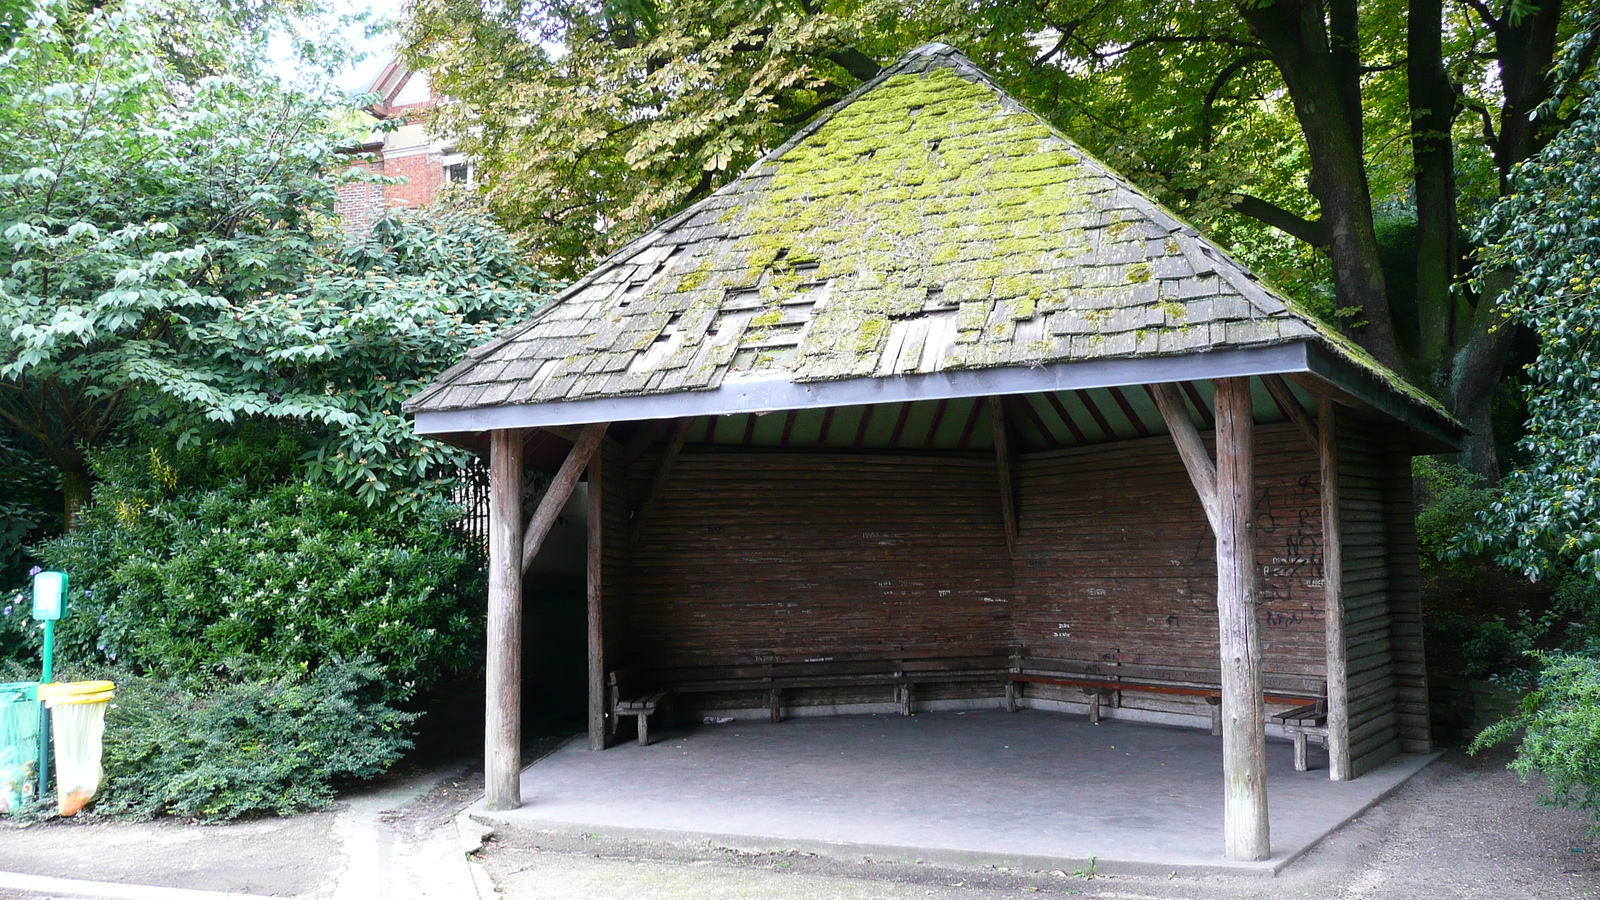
(1526, 48)
(75, 487)
(1475, 375)
(1433, 110)
(1318, 77)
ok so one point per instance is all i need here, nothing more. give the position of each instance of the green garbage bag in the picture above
(19, 745)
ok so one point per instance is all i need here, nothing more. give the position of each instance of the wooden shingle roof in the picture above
(927, 224)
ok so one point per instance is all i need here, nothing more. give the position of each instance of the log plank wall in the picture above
(1383, 622)
(780, 556)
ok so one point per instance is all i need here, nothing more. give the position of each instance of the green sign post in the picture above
(49, 605)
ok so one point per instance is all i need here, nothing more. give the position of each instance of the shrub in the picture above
(1449, 501)
(253, 583)
(276, 745)
(1560, 726)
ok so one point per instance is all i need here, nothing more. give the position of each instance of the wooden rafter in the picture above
(561, 486)
(1200, 404)
(1095, 414)
(1037, 421)
(1128, 411)
(1066, 417)
(658, 482)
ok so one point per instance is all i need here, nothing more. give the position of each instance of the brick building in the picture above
(400, 145)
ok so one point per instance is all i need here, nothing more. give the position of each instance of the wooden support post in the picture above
(1333, 596)
(502, 727)
(659, 482)
(1011, 696)
(1003, 460)
(1286, 400)
(544, 518)
(1244, 741)
(597, 662)
(1191, 449)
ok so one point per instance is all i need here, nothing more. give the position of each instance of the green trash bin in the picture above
(19, 745)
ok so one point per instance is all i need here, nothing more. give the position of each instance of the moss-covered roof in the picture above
(928, 223)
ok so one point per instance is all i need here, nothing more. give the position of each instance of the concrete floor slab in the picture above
(978, 787)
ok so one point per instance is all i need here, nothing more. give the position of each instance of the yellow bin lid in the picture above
(69, 692)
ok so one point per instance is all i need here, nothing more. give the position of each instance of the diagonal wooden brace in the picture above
(1286, 400)
(544, 518)
(1202, 471)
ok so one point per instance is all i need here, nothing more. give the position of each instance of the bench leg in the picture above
(775, 705)
(1011, 696)
(1094, 707)
(1300, 764)
(905, 699)
(644, 729)
(1216, 716)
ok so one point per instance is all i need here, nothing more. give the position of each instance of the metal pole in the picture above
(44, 714)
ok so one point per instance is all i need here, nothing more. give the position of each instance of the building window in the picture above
(457, 169)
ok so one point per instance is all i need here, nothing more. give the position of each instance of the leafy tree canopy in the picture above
(1545, 238)
(167, 253)
(1292, 129)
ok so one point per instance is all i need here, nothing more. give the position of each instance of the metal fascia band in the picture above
(778, 395)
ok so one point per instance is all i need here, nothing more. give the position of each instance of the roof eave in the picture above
(777, 395)
(1440, 432)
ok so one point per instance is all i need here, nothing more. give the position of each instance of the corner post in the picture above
(502, 728)
(1244, 745)
(596, 614)
(1333, 596)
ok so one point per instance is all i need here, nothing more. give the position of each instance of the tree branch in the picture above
(1217, 84)
(853, 61)
(1487, 15)
(1175, 39)
(1268, 213)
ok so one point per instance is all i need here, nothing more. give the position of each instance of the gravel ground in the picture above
(1463, 828)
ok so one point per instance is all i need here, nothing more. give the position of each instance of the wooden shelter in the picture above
(929, 383)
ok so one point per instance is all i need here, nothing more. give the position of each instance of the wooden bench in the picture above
(630, 697)
(1304, 722)
(632, 694)
(1102, 682)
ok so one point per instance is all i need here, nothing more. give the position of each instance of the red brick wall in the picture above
(425, 174)
(360, 202)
